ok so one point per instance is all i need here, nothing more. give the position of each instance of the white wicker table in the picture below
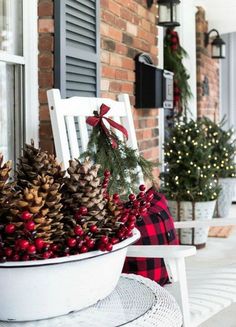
(136, 301)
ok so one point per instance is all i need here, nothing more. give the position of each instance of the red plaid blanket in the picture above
(155, 228)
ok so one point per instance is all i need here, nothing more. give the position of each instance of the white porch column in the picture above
(187, 33)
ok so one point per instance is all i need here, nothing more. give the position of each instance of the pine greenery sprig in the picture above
(189, 174)
(223, 147)
(174, 55)
(123, 162)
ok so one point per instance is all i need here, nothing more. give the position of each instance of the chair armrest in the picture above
(205, 223)
(161, 251)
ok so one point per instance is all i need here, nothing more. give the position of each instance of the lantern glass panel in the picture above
(215, 51)
(164, 14)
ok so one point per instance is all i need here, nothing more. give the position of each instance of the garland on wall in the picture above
(174, 55)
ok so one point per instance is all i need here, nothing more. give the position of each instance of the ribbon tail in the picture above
(121, 128)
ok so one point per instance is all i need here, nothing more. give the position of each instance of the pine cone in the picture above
(83, 188)
(35, 162)
(6, 188)
(50, 193)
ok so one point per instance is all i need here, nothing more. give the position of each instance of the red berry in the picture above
(120, 234)
(131, 225)
(8, 252)
(26, 215)
(15, 257)
(132, 218)
(71, 242)
(78, 231)
(124, 218)
(109, 246)
(136, 204)
(116, 197)
(93, 228)
(132, 197)
(25, 257)
(83, 211)
(23, 244)
(143, 211)
(83, 249)
(141, 194)
(47, 254)
(114, 240)
(90, 243)
(149, 197)
(107, 173)
(54, 247)
(142, 187)
(104, 239)
(39, 243)
(31, 249)
(30, 225)
(105, 185)
(102, 247)
(77, 215)
(10, 228)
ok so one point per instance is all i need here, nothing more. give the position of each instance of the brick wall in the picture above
(128, 28)
(207, 68)
(45, 73)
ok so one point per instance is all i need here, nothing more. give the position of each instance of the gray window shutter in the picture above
(77, 45)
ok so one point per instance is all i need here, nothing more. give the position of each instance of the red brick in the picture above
(45, 79)
(45, 8)
(43, 96)
(44, 113)
(115, 86)
(121, 74)
(114, 34)
(45, 25)
(114, 7)
(46, 42)
(108, 71)
(128, 63)
(45, 61)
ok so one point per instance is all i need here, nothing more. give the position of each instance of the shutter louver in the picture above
(77, 47)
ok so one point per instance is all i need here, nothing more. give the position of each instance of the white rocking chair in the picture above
(71, 135)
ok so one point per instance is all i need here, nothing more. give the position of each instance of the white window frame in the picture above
(30, 62)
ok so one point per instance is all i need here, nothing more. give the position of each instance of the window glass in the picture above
(6, 112)
(11, 26)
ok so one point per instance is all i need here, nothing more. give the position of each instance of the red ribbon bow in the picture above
(98, 120)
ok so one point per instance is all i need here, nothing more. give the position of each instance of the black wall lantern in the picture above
(167, 12)
(217, 45)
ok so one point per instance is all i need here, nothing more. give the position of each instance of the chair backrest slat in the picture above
(72, 136)
(70, 131)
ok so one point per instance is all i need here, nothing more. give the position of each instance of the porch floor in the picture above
(219, 252)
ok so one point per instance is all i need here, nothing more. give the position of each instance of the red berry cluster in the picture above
(85, 237)
(174, 39)
(26, 247)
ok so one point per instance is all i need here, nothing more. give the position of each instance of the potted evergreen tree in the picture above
(223, 159)
(188, 180)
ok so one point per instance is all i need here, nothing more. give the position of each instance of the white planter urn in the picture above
(225, 198)
(202, 211)
(43, 289)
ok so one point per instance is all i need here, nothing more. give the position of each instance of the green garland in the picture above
(173, 61)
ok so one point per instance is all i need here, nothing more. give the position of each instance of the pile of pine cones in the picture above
(46, 213)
